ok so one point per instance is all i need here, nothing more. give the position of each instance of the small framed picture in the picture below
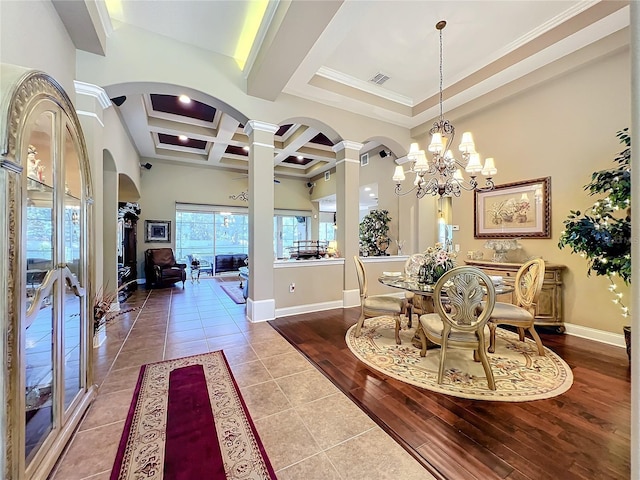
(327, 176)
(157, 231)
(364, 159)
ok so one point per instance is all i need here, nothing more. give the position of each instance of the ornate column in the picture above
(261, 304)
(347, 214)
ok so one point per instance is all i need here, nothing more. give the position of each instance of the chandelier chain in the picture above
(441, 114)
(442, 174)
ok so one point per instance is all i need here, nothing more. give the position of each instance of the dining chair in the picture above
(461, 316)
(411, 270)
(528, 285)
(377, 305)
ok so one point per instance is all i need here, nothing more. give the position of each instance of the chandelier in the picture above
(442, 174)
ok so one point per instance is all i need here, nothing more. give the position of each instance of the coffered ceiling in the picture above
(375, 58)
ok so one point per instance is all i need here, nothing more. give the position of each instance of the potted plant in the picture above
(602, 234)
(373, 233)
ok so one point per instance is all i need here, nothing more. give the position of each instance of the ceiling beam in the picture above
(87, 24)
(294, 30)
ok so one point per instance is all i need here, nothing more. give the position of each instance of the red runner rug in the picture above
(188, 421)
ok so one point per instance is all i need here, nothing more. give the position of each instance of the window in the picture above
(209, 230)
(287, 229)
(327, 226)
(194, 235)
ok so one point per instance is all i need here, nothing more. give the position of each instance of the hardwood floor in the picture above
(581, 434)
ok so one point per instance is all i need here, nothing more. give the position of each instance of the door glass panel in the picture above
(40, 318)
(71, 241)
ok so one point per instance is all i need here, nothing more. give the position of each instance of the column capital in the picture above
(347, 145)
(95, 91)
(260, 126)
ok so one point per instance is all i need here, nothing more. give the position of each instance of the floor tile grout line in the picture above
(166, 331)
(115, 358)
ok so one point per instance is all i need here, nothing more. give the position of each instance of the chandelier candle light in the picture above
(442, 175)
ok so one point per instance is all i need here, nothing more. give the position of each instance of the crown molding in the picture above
(260, 126)
(91, 90)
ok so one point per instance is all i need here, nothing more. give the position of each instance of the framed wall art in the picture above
(157, 231)
(519, 209)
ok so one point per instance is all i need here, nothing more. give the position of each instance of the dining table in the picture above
(412, 284)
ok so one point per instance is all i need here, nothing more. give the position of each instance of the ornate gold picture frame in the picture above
(519, 209)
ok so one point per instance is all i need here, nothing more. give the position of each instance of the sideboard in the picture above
(549, 309)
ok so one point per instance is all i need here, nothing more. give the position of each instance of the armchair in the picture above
(161, 268)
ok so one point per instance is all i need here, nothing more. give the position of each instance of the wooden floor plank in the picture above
(581, 434)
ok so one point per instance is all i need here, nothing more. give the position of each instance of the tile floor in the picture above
(309, 428)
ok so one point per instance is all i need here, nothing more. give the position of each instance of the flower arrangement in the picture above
(437, 261)
(102, 304)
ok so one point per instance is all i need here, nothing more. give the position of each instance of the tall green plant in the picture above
(373, 232)
(602, 234)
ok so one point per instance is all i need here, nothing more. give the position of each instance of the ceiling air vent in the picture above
(379, 78)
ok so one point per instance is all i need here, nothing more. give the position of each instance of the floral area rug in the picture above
(234, 291)
(188, 421)
(519, 372)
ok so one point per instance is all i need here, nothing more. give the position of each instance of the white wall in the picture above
(33, 36)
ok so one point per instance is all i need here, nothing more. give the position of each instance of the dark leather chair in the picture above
(161, 267)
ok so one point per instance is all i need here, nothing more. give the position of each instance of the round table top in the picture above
(411, 284)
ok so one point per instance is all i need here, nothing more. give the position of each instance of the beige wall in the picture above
(165, 184)
(375, 266)
(313, 285)
(564, 129)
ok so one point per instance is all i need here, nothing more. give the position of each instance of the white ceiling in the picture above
(328, 50)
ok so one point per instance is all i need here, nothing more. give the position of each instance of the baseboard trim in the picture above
(311, 307)
(615, 339)
(350, 298)
(261, 310)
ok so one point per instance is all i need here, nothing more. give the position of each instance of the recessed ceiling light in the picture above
(372, 194)
(183, 138)
(245, 148)
(300, 157)
(184, 98)
(367, 189)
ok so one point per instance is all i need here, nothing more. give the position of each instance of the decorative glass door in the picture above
(54, 327)
(41, 287)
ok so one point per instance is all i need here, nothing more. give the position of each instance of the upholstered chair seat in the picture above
(461, 316)
(377, 305)
(432, 323)
(382, 302)
(528, 285)
(509, 312)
